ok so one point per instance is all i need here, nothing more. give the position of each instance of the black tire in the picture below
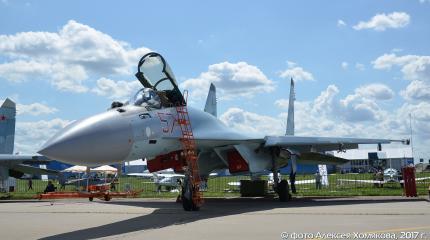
(91, 199)
(187, 203)
(283, 191)
(107, 197)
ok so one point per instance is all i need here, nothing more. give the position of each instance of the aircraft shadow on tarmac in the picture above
(171, 213)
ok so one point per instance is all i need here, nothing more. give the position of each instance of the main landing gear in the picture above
(281, 187)
(283, 191)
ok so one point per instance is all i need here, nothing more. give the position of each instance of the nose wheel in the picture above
(187, 196)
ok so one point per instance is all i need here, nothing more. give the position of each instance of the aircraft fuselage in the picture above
(129, 133)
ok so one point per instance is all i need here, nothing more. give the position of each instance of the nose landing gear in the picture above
(187, 196)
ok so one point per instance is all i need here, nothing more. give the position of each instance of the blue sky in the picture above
(361, 66)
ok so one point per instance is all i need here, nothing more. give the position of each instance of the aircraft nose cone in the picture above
(102, 139)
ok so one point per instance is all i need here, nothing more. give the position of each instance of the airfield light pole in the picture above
(412, 142)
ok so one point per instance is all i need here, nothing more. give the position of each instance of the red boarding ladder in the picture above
(189, 150)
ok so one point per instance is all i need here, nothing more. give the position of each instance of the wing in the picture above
(33, 170)
(28, 159)
(257, 152)
(19, 163)
(322, 144)
(302, 144)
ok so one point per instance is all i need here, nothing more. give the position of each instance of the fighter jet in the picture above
(15, 165)
(149, 126)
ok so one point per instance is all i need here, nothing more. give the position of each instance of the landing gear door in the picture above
(154, 72)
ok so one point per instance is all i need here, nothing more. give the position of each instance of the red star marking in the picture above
(2, 118)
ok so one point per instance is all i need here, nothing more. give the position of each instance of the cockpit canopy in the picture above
(154, 73)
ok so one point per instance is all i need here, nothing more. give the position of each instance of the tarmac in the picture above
(235, 218)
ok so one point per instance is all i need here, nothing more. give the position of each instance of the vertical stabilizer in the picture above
(7, 126)
(211, 106)
(290, 119)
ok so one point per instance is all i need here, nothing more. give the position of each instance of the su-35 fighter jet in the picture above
(157, 125)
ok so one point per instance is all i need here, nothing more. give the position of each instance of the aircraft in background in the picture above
(271, 181)
(15, 165)
(166, 178)
(390, 175)
(148, 126)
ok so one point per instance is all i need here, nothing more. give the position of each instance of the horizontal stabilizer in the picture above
(319, 158)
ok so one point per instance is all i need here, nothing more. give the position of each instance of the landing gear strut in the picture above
(187, 196)
(280, 187)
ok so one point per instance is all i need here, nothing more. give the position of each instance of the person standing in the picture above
(318, 179)
(62, 181)
(30, 184)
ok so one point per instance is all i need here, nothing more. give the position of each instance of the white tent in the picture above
(76, 169)
(104, 168)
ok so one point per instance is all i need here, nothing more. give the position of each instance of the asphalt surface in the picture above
(218, 219)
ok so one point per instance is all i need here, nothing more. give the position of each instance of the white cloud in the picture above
(360, 67)
(376, 91)
(324, 103)
(414, 68)
(64, 78)
(341, 23)
(361, 106)
(296, 72)
(34, 109)
(66, 58)
(357, 115)
(118, 90)
(417, 91)
(282, 103)
(420, 119)
(31, 135)
(252, 123)
(382, 21)
(356, 108)
(344, 65)
(231, 79)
